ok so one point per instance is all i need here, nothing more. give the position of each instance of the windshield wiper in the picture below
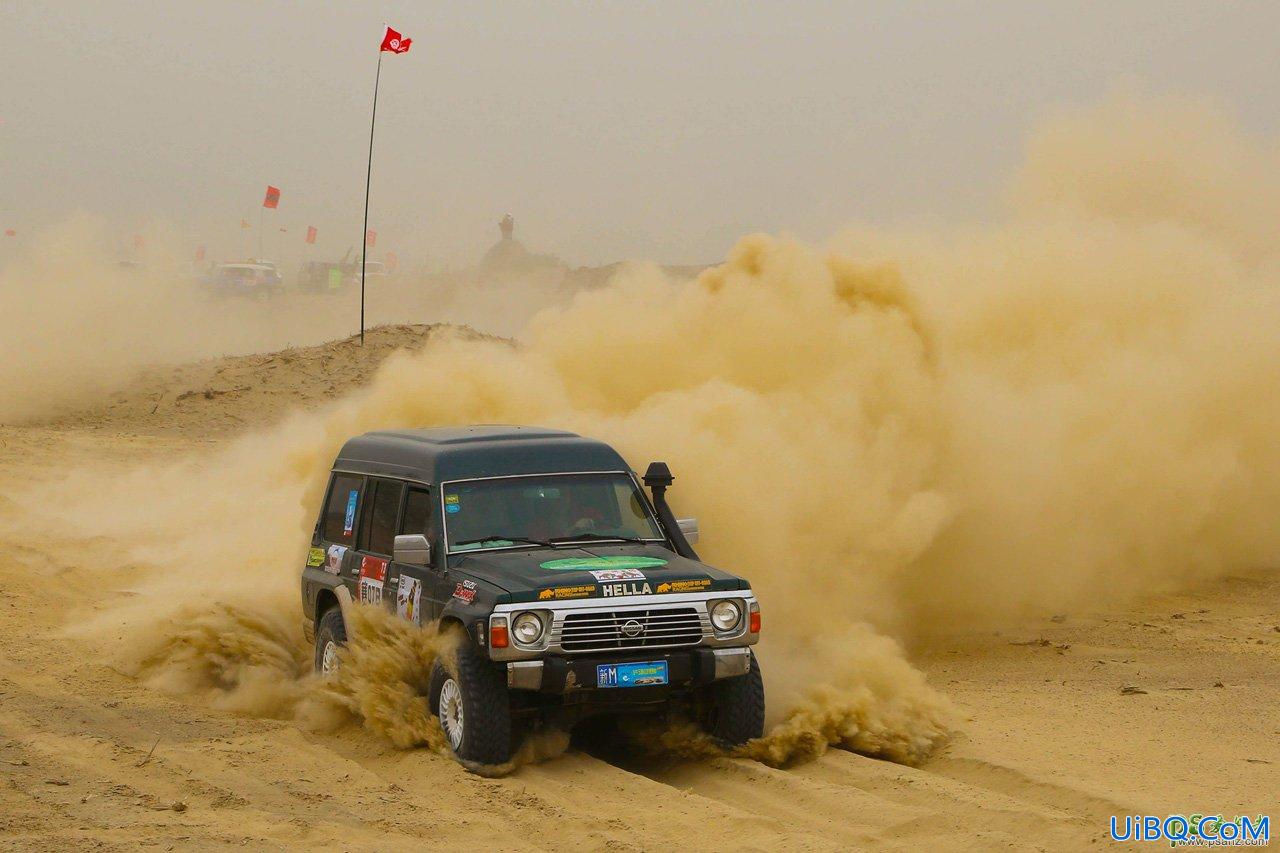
(595, 537)
(484, 539)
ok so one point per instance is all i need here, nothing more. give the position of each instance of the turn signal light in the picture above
(755, 620)
(498, 636)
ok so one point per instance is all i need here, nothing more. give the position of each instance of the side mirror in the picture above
(689, 527)
(412, 548)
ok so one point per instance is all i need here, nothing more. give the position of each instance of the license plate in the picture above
(631, 674)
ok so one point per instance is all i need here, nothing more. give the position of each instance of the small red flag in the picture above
(311, 233)
(199, 253)
(9, 232)
(273, 197)
(370, 237)
(394, 42)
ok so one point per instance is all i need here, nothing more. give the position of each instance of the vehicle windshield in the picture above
(550, 509)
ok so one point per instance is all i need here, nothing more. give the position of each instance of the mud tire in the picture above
(736, 712)
(486, 706)
(331, 629)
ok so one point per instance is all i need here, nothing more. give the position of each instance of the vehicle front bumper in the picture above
(685, 667)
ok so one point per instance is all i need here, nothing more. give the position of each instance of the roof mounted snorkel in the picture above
(658, 478)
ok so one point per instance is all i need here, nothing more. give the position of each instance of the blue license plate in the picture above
(631, 674)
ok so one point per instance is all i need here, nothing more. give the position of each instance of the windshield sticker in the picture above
(315, 557)
(562, 592)
(373, 572)
(333, 558)
(684, 586)
(349, 521)
(618, 575)
(610, 590)
(465, 591)
(409, 599)
(576, 564)
(451, 503)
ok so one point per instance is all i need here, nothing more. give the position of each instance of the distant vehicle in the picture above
(372, 270)
(258, 280)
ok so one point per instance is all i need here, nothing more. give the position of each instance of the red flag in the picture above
(273, 197)
(394, 42)
(199, 253)
(9, 232)
(311, 234)
(370, 237)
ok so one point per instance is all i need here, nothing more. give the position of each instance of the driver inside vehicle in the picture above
(546, 510)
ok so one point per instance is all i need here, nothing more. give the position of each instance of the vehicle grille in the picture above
(614, 629)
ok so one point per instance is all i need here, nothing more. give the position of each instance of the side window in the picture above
(417, 512)
(344, 508)
(380, 525)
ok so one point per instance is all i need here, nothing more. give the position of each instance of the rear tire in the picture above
(331, 635)
(736, 712)
(473, 706)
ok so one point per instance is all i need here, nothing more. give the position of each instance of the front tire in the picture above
(331, 635)
(736, 712)
(473, 706)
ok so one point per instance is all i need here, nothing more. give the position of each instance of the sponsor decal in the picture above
(611, 590)
(683, 586)
(618, 575)
(409, 599)
(373, 573)
(562, 592)
(333, 558)
(575, 564)
(465, 591)
(349, 521)
(451, 503)
(315, 557)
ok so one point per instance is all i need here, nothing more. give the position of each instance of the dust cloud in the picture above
(890, 435)
(82, 317)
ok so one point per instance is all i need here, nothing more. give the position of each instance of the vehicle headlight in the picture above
(726, 615)
(527, 628)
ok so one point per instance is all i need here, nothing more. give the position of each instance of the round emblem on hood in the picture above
(632, 628)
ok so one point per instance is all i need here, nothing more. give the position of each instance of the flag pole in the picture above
(368, 175)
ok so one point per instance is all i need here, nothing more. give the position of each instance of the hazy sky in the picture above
(610, 130)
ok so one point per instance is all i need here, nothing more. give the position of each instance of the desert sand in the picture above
(1163, 704)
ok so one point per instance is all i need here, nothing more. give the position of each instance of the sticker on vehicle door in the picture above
(409, 599)
(373, 572)
(631, 674)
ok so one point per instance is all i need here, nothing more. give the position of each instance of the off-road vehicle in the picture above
(577, 594)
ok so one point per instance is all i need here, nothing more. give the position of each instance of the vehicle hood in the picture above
(594, 571)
